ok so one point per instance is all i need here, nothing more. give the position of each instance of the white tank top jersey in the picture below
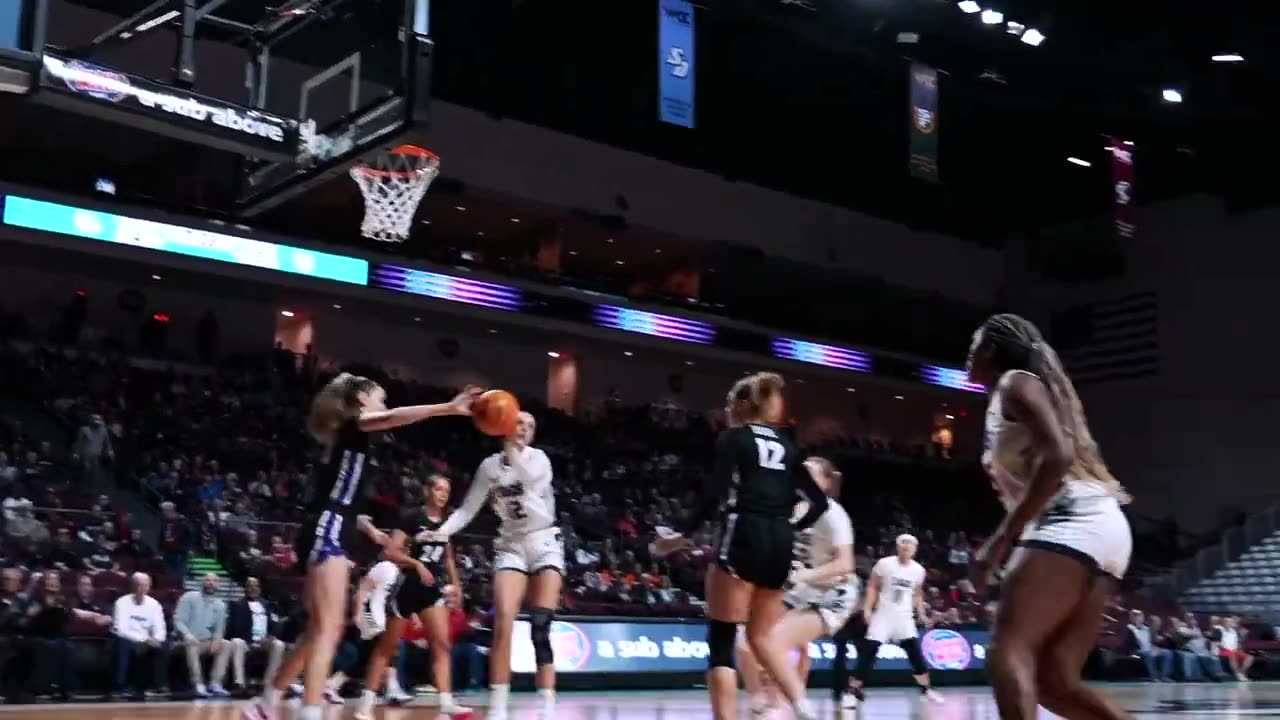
(1230, 639)
(897, 584)
(816, 546)
(521, 492)
(1008, 448)
(385, 575)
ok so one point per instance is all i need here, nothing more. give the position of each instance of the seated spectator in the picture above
(1198, 646)
(63, 554)
(1158, 660)
(21, 526)
(201, 622)
(282, 553)
(1233, 649)
(252, 626)
(140, 633)
(45, 642)
(100, 558)
(86, 598)
(136, 547)
(251, 553)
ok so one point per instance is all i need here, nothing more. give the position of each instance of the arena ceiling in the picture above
(810, 97)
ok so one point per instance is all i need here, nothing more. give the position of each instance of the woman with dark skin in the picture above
(1063, 513)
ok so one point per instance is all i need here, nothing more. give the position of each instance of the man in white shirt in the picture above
(140, 632)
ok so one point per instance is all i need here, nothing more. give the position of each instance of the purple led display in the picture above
(647, 323)
(445, 287)
(949, 377)
(818, 354)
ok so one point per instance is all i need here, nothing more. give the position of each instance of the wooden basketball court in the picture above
(1184, 702)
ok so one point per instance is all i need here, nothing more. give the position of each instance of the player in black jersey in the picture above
(342, 414)
(429, 583)
(758, 473)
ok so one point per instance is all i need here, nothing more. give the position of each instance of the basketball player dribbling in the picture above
(528, 558)
(342, 415)
(758, 472)
(895, 599)
(1039, 449)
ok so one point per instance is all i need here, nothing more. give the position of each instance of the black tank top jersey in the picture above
(340, 478)
(430, 554)
(758, 471)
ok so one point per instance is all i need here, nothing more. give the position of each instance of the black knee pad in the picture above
(721, 638)
(911, 646)
(540, 632)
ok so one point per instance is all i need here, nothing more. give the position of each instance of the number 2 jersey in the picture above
(414, 596)
(521, 492)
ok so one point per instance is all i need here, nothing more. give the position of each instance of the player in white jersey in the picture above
(822, 592)
(370, 618)
(894, 600)
(528, 557)
(1039, 448)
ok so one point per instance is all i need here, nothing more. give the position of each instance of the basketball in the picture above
(495, 413)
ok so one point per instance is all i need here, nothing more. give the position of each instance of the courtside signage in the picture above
(179, 240)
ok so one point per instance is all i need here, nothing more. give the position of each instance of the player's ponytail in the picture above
(748, 396)
(337, 402)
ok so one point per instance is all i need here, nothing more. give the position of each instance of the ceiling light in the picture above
(689, 363)
(480, 233)
(992, 17)
(1129, 143)
(610, 240)
(657, 251)
(573, 252)
(459, 208)
(968, 7)
(155, 277)
(417, 319)
(553, 354)
(951, 417)
(897, 397)
(1229, 58)
(426, 222)
(1033, 37)
(908, 38)
(1014, 28)
(336, 306)
(515, 219)
(1171, 96)
(851, 389)
(1078, 161)
(618, 262)
(286, 313)
(628, 353)
(492, 331)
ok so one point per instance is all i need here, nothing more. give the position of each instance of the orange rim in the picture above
(413, 151)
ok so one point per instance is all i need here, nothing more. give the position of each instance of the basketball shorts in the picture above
(329, 534)
(835, 605)
(530, 553)
(413, 598)
(1094, 531)
(756, 548)
(891, 627)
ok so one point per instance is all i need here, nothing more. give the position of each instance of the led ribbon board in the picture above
(162, 237)
(818, 354)
(949, 377)
(655, 324)
(446, 287)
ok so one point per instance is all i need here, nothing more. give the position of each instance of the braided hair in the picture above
(1014, 343)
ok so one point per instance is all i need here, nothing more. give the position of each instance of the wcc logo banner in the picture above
(676, 76)
(923, 161)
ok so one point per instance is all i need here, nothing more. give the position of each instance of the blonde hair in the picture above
(337, 402)
(1017, 344)
(747, 397)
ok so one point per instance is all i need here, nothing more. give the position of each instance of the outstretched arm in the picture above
(802, 476)
(409, 414)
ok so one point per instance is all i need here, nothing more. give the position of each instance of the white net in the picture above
(392, 187)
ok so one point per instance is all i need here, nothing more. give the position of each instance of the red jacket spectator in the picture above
(458, 627)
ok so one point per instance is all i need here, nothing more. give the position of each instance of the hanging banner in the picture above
(675, 62)
(1122, 184)
(924, 123)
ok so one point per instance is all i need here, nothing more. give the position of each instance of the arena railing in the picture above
(1235, 541)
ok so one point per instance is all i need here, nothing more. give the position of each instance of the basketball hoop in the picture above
(392, 186)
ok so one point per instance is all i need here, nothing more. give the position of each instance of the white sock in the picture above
(446, 699)
(272, 697)
(498, 695)
(368, 698)
(804, 709)
(311, 712)
(336, 681)
(548, 696)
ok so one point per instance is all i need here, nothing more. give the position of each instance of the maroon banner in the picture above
(1122, 185)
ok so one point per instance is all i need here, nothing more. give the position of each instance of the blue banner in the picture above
(675, 62)
(608, 646)
(107, 227)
